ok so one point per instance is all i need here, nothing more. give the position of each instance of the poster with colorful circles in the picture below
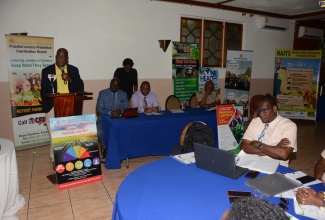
(75, 148)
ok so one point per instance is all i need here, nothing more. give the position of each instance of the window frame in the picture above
(202, 38)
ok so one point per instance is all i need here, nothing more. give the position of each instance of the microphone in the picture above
(62, 69)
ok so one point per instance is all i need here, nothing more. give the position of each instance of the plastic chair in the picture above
(172, 102)
(193, 101)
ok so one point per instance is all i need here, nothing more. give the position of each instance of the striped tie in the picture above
(260, 138)
(145, 105)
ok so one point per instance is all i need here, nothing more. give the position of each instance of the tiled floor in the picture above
(95, 201)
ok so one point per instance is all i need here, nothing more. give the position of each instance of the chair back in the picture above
(193, 101)
(184, 130)
(172, 102)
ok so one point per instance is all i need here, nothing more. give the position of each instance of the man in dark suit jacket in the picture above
(58, 78)
(69, 80)
(111, 101)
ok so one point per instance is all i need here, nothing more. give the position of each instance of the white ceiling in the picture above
(289, 9)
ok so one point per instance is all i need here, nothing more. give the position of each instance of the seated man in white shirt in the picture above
(270, 134)
(145, 100)
(207, 97)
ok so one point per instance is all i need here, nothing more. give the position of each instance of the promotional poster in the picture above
(207, 74)
(26, 57)
(230, 127)
(238, 78)
(76, 154)
(296, 78)
(185, 67)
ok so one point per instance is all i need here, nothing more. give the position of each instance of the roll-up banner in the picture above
(296, 78)
(185, 70)
(26, 57)
(238, 78)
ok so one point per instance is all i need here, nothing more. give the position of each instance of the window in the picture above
(214, 41)
(233, 37)
(191, 30)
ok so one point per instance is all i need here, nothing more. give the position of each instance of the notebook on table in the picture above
(217, 161)
(272, 184)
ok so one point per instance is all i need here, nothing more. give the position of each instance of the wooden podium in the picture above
(68, 104)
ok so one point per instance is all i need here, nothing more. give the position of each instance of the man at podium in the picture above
(60, 77)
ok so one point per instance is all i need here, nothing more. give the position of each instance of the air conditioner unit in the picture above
(310, 32)
(272, 23)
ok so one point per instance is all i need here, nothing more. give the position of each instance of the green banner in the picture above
(185, 67)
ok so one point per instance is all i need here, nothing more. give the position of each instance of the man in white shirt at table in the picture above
(145, 100)
(207, 97)
(270, 135)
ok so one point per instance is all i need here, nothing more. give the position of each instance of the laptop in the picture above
(130, 112)
(217, 161)
(272, 184)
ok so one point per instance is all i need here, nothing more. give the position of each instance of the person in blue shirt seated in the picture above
(111, 101)
(145, 100)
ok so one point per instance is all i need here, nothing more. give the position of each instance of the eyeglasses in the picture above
(284, 204)
(264, 110)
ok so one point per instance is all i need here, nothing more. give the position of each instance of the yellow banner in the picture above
(310, 54)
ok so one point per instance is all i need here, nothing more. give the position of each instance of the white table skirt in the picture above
(10, 200)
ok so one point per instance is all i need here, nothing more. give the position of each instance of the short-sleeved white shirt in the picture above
(279, 128)
(213, 97)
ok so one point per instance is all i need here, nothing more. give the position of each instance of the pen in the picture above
(180, 158)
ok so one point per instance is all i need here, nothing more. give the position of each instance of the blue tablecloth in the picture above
(167, 189)
(149, 134)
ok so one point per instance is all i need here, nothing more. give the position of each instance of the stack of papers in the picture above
(176, 110)
(310, 211)
(211, 108)
(152, 113)
(255, 162)
(187, 158)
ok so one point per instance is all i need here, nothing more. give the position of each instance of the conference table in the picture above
(148, 135)
(10, 200)
(167, 189)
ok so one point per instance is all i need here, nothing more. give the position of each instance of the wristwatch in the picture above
(322, 208)
(260, 146)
